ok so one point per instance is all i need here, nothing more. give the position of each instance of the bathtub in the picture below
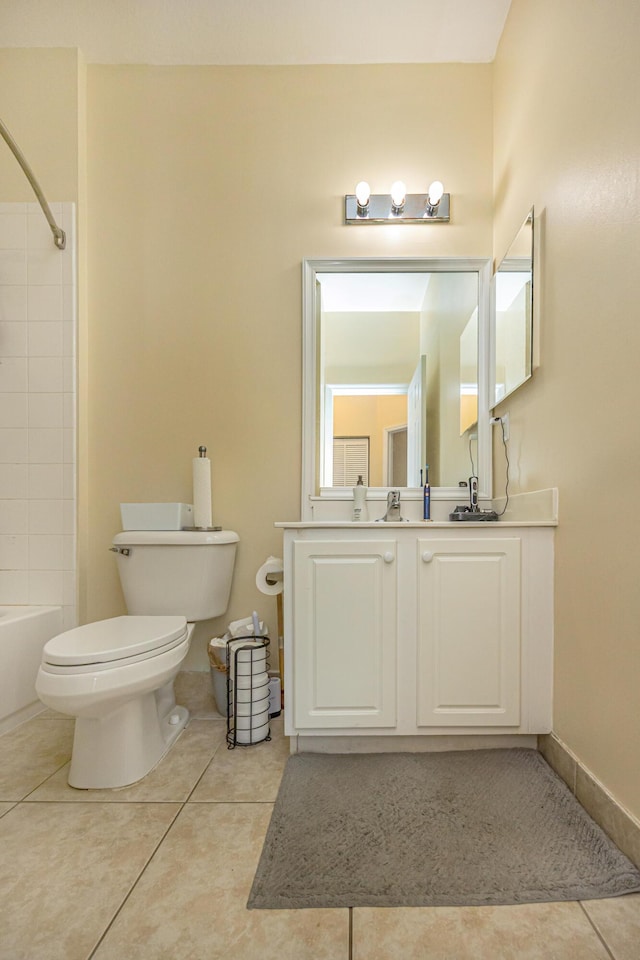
(23, 633)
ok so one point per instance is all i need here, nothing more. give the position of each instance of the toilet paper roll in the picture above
(202, 492)
(267, 572)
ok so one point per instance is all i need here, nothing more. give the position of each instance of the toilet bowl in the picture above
(116, 676)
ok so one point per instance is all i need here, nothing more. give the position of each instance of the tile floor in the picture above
(162, 870)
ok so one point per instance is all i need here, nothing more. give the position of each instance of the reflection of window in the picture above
(350, 460)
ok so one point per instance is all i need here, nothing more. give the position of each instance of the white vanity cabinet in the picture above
(345, 608)
(469, 633)
(414, 629)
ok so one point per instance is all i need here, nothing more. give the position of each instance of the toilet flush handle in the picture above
(125, 551)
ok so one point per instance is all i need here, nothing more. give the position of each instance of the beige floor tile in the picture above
(191, 900)
(31, 753)
(194, 691)
(66, 868)
(250, 774)
(535, 931)
(5, 807)
(618, 921)
(171, 780)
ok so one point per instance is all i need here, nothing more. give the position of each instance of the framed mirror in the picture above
(395, 375)
(512, 316)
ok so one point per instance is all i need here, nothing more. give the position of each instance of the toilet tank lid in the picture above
(188, 538)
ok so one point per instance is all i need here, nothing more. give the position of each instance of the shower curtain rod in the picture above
(59, 236)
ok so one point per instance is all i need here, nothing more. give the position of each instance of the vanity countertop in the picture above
(425, 525)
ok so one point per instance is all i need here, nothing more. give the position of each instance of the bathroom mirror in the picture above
(512, 316)
(395, 357)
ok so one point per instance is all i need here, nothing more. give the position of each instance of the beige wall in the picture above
(567, 139)
(207, 188)
(39, 92)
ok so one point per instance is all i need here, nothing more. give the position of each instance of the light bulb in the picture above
(363, 192)
(435, 193)
(398, 194)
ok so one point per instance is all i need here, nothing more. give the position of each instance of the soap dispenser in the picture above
(359, 501)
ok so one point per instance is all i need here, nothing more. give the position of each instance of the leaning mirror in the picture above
(395, 374)
(512, 315)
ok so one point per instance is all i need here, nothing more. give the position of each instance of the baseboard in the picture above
(617, 823)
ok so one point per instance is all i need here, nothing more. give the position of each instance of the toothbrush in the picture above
(426, 493)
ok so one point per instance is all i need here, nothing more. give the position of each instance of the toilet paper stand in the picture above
(247, 661)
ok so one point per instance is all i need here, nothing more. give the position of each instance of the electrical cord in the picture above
(506, 456)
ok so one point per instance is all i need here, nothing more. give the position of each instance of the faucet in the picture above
(393, 508)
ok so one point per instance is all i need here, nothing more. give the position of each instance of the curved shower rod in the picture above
(59, 236)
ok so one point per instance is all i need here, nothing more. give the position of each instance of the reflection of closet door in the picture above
(344, 629)
(468, 632)
(417, 423)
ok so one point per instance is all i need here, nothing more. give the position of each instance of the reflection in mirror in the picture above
(393, 371)
(513, 315)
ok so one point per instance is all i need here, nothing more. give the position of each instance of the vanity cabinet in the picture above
(469, 637)
(417, 631)
(345, 608)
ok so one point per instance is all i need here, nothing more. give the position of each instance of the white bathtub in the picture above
(23, 633)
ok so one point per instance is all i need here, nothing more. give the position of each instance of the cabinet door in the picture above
(468, 632)
(344, 634)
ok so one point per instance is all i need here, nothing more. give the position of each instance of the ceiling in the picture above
(260, 31)
(373, 292)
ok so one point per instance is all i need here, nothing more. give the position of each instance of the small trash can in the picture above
(218, 671)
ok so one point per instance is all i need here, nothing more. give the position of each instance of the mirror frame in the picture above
(310, 358)
(493, 403)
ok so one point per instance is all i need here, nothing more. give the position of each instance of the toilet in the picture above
(116, 676)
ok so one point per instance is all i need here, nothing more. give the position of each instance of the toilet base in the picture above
(121, 747)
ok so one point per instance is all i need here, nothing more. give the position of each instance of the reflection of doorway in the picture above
(361, 410)
(395, 461)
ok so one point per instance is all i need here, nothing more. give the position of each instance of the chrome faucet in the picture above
(393, 508)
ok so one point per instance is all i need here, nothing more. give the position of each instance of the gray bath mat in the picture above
(432, 829)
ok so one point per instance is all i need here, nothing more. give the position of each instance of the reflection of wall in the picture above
(580, 164)
(368, 417)
(370, 347)
(449, 303)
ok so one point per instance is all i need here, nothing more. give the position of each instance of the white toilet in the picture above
(116, 676)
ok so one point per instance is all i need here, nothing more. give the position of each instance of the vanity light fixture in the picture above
(397, 206)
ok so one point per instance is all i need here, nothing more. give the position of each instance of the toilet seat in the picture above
(113, 643)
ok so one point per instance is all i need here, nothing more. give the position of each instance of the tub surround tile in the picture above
(536, 931)
(66, 869)
(13, 411)
(172, 780)
(246, 774)
(13, 552)
(13, 446)
(31, 753)
(13, 339)
(14, 586)
(13, 517)
(618, 922)
(188, 906)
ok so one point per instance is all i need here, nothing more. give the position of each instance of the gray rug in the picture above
(432, 829)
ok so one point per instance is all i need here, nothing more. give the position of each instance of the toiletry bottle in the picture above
(426, 495)
(359, 501)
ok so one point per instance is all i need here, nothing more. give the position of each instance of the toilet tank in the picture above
(175, 572)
